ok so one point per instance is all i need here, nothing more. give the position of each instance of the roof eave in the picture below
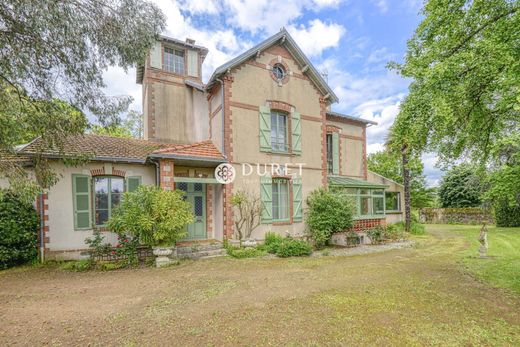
(187, 157)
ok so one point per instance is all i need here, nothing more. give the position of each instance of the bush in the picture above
(272, 242)
(415, 227)
(328, 213)
(247, 252)
(507, 215)
(376, 234)
(154, 216)
(18, 231)
(293, 248)
(78, 266)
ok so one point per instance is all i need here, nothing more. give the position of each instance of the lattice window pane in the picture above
(198, 206)
(182, 186)
(197, 187)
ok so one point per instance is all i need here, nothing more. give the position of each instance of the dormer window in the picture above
(173, 60)
(279, 72)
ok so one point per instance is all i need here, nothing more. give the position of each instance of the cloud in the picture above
(382, 5)
(317, 36)
(381, 55)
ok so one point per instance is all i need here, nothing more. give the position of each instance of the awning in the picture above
(348, 182)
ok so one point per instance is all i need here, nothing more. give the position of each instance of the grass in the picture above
(421, 295)
(502, 267)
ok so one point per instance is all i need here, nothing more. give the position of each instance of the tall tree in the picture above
(58, 50)
(461, 186)
(465, 65)
(390, 165)
(130, 127)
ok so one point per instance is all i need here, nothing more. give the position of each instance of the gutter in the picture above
(186, 157)
(223, 128)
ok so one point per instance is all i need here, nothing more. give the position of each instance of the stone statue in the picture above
(483, 241)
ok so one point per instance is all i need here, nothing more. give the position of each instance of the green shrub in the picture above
(394, 233)
(415, 228)
(376, 234)
(293, 248)
(507, 215)
(154, 216)
(328, 213)
(247, 252)
(18, 231)
(272, 242)
(78, 266)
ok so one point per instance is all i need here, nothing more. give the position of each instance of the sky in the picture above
(349, 40)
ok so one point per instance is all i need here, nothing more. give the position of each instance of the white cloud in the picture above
(317, 36)
(381, 55)
(382, 5)
(199, 6)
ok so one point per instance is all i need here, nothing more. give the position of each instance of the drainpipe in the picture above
(157, 170)
(223, 129)
(42, 241)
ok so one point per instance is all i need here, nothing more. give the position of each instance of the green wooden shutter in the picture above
(132, 183)
(335, 154)
(297, 199)
(266, 195)
(296, 133)
(265, 128)
(81, 201)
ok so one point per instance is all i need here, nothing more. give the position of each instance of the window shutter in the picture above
(297, 199)
(266, 195)
(335, 154)
(296, 133)
(193, 63)
(81, 201)
(132, 183)
(265, 128)
(156, 55)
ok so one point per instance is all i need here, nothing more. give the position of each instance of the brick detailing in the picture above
(166, 174)
(101, 172)
(209, 211)
(323, 114)
(275, 61)
(363, 225)
(280, 105)
(333, 129)
(45, 224)
(228, 148)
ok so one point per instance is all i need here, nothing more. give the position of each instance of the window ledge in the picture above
(394, 212)
(282, 223)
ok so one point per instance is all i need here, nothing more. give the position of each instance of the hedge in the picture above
(464, 215)
(507, 216)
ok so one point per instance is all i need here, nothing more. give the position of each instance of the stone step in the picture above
(198, 248)
(202, 254)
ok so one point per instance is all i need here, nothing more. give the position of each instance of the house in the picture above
(266, 113)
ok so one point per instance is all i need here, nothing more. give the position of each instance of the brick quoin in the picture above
(228, 146)
(323, 114)
(166, 174)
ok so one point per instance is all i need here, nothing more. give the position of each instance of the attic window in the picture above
(279, 72)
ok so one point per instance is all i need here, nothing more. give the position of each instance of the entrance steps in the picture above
(200, 250)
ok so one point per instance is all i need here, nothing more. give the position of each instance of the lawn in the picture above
(424, 295)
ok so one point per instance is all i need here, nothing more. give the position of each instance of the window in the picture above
(329, 154)
(107, 195)
(279, 72)
(368, 202)
(279, 132)
(174, 60)
(393, 201)
(280, 200)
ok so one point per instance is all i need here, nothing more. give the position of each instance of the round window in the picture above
(279, 71)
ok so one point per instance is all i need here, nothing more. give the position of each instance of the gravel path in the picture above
(363, 249)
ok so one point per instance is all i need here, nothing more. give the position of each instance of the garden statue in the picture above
(483, 241)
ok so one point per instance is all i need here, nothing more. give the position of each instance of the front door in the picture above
(196, 196)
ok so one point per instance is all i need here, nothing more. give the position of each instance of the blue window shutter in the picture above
(266, 195)
(335, 154)
(297, 199)
(296, 128)
(264, 117)
(81, 201)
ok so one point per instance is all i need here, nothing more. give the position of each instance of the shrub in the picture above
(415, 228)
(293, 248)
(18, 231)
(376, 234)
(272, 242)
(394, 233)
(152, 215)
(507, 215)
(78, 266)
(247, 252)
(97, 248)
(328, 213)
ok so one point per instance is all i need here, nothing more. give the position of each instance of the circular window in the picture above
(279, 71)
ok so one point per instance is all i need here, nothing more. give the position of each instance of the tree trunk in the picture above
(406, 181)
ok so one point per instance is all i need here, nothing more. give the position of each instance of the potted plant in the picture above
(156, 217)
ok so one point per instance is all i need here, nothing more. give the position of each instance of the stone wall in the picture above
(468, 215)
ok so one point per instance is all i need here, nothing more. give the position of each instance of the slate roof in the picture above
(119, 149)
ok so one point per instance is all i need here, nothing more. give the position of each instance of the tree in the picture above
(130, 127)
(156, 217)
(460, 187)
(390, 165)
(54, 53)
(465, 65)
(248, 211)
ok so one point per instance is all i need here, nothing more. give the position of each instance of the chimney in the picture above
(190, 41)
